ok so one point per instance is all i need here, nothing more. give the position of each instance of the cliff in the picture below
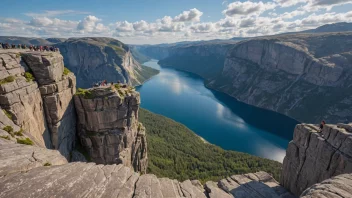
(97, 59)
(288, 74)
(108, 126)
(283, 73)
(36, 96)
(312, 157)
(91, 180)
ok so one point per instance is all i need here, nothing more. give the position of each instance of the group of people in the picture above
(105, 83)
(31, 47)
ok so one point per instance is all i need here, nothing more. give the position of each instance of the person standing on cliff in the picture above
(322, 126)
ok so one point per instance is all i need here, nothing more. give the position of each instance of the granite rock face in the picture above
(18, 157)
(108, 126)
(91, 180)
(288, 73)
(97, 59)
(57, 90)
(312, 157)
(21, 99)
(336, 187)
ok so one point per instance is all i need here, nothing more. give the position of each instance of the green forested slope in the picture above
(175, 151)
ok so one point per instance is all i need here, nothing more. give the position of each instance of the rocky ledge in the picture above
(51, 176)
(313, 156)
(108, 126)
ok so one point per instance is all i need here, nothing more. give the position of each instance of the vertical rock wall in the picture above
(312, 157)
(21, 98)
(57, 89)
(108, 126)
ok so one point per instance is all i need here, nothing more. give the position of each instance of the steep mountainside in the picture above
(304, 76)
(96, 59)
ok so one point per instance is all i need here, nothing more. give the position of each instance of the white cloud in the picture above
(203, 27)
(124, 26)
(239, 8)
(52, 13)
(193, 15)
(314, 5)
(241, 19)
(289, 3)
(141, 26)
(90, 24)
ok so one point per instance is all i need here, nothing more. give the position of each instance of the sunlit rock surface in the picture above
(312, 157)
(108, 126)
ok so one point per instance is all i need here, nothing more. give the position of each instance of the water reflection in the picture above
(216, 117)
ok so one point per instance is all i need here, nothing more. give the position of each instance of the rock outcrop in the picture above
(20, 98)
(312, 156)
(37, 96)
(91, 180)
(97, 59)
(336, 187)
(57, 89)
(108, 126)
(16, 158)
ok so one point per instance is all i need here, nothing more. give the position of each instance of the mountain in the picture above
(334, 27)
(24, 40)
(304, 76)
(96, 59)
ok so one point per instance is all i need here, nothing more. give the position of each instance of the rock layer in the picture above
(109, 128)
(312, 157)
(57, 90)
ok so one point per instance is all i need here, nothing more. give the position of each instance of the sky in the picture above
(167, 21)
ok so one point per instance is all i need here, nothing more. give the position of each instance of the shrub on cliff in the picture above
(7, 80)
(84, 93)
(5, 137)
(29, 77)
(66, 71)
(176, 152)
(9, 115)
(26, 141)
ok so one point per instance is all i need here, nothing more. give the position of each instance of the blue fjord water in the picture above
(216, 117)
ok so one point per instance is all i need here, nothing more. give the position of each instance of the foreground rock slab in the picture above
(313, 156)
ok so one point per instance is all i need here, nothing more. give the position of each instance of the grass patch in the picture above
(117, 86)
(66, 71)
(121, 93)
(9, 115)
(84, 93)
(47, 164)
(8, 129)
(26, 141)
(5, 137)
(7, 80)
(19, 133)
(29, 77)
